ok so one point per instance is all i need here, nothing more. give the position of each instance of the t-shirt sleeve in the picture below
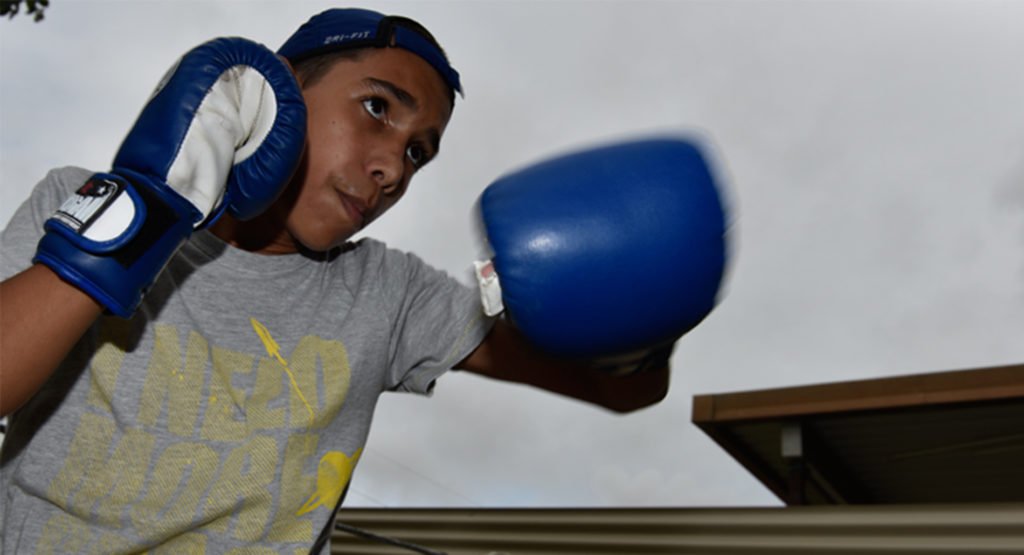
(23, 231)
(439, 322)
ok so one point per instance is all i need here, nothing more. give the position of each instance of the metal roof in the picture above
(949, 437)
(978, 529)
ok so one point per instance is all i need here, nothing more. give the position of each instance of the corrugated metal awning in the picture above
(834, 530)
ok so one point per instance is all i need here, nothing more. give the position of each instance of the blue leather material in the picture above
(118, 279)
(153, 143)
(117, 273)
(608, 250)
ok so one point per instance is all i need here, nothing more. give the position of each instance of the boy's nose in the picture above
(386, 169)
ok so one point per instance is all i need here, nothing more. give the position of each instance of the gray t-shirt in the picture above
(229, 411)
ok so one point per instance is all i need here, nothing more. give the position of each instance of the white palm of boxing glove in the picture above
(230, 124)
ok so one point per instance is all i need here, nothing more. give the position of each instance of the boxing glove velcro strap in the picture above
(113, 237)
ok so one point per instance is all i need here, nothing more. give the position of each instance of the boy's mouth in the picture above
(355, 208)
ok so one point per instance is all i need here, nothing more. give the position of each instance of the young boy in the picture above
(227, 411)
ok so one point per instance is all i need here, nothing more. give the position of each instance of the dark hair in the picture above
(312, 69)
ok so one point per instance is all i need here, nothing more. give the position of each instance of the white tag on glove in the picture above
(490, 288)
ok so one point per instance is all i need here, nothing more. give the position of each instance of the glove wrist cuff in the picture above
(115, 270)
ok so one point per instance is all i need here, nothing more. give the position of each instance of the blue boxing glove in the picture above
(611, 253)
(224, 130)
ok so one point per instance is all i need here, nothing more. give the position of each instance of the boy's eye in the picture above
(376, 107)
(417, 155)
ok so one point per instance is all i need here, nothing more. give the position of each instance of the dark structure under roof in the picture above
(949, 437)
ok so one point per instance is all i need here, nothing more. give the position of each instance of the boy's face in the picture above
(373, 121)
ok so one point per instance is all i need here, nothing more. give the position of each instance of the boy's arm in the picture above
(41, 319)
(506, 355)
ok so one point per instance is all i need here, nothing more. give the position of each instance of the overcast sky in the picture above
(873, 154)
